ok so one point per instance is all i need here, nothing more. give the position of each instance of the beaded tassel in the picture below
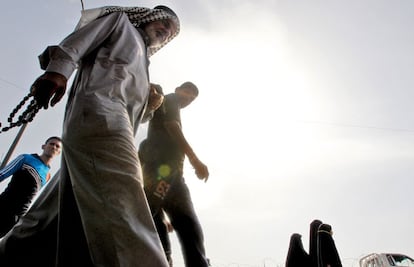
(25, 117)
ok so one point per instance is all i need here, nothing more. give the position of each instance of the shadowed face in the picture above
(159, 31)
(185, 96)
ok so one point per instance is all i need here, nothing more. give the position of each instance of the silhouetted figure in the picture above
(313, 241)
(297, 256)
(162, 156)
(327, 254)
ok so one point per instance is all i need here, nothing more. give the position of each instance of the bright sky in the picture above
(305, 112)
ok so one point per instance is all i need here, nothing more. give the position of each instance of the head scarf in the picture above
(138, 16)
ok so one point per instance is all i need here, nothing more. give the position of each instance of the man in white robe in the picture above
(104, 218)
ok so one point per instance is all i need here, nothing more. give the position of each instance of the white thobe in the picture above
(99, 157)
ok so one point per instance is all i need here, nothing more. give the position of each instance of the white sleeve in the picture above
(64, 58)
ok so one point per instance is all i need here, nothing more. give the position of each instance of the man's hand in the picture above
(168, 225)
(49, 85)
(156, 97)
(201, 170)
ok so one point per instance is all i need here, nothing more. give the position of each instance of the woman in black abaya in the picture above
(313, 242)
(297, 256)
(327, 253)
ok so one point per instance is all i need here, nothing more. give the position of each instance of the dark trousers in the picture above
(163, 234)
(15, 199)
(178, 206)
(32, 242)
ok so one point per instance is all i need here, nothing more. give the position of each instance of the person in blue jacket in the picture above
(30, 172)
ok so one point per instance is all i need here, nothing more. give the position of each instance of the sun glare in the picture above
(254, 96)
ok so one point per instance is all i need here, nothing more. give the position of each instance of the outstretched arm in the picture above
(60, 61)
(175, 131)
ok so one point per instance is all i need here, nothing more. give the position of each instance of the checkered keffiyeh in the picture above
(137, 16)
